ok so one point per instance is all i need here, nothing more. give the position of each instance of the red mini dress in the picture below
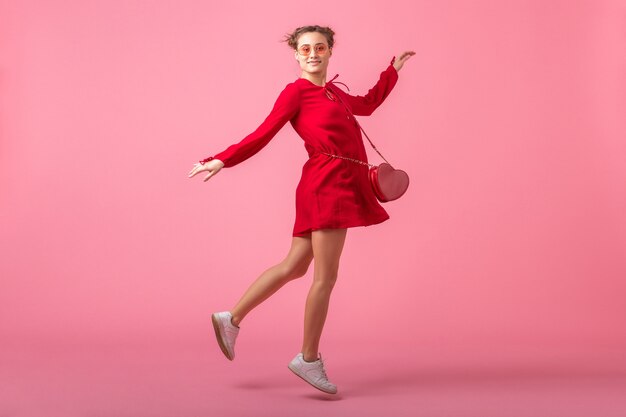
(332, 193)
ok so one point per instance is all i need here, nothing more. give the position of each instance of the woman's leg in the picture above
(327, 245)
(293, 266)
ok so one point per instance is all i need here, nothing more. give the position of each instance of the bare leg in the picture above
(293, 266)
(327, 245)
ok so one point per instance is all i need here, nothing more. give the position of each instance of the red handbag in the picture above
(387, 182)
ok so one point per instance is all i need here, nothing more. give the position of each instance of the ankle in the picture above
(309, 357)
(235, 320)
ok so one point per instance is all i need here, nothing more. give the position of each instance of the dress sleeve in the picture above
(365, 105)
(285, 108)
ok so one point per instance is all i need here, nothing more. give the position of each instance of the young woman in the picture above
(333, 194)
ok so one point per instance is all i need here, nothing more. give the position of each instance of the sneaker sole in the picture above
(302, 378)
(218, 335)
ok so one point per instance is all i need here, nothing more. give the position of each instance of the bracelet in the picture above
(205, 160)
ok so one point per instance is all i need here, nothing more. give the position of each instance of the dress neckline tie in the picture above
(329, 92)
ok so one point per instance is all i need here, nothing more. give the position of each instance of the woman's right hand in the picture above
(213, 166)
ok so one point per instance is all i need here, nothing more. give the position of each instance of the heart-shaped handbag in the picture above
(387, 182)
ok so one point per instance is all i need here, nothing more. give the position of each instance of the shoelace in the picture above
(323, 371)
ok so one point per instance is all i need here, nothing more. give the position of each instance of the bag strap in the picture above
(355, 119)
(349, 159)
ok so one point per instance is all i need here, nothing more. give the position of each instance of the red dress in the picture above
(332, 193)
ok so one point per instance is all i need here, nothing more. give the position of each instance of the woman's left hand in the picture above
(404, 56)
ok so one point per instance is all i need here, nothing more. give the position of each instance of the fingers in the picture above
(407, 54)
(196, 169)
(209, 176)
(193, 171)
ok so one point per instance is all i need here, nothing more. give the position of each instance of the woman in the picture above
(333, 194)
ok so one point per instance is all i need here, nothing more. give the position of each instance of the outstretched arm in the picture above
(365, 105)
(285, 108)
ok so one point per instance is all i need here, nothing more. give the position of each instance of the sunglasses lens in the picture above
(320, 49)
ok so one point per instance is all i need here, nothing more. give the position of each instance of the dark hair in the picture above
(292, 38)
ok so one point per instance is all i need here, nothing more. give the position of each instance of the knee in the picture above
(293, 270)
(326, 280)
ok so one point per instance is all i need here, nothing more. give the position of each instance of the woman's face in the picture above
(315, 62)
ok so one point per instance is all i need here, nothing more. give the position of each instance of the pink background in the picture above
(496, 288)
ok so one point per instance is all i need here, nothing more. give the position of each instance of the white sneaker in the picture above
(313, 373)
(226, 332)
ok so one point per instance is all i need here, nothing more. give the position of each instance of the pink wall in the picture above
(509, 120)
